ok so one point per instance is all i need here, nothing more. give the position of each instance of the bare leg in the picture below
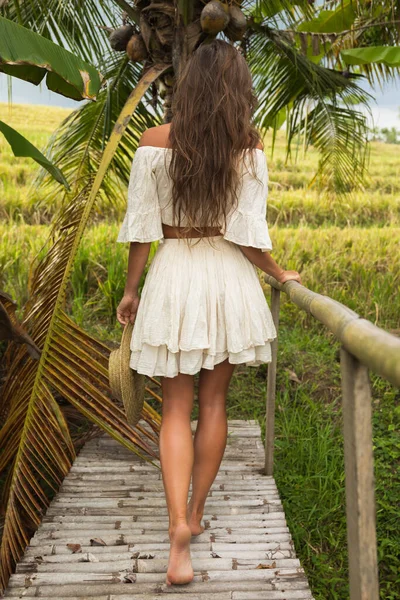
(210, 438)
(176, 458)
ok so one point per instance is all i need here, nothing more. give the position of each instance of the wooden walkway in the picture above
(105, 535)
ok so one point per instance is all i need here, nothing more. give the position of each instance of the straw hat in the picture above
(126, 384)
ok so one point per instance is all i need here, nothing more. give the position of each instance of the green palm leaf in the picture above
(286, 79)
(78, 143)
(35, 439)
(332, 129)
(282, 12)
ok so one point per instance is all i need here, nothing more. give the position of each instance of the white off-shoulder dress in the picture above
(201, 303)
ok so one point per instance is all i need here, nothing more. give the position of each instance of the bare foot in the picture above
(194, 520)
(180, 568)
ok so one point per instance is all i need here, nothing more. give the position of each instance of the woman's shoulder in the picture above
(156, 137)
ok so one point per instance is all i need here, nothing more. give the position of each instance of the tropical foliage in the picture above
(29, 56)
(23, 147)
(300, 55)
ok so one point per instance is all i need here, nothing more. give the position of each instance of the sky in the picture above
(385, 110)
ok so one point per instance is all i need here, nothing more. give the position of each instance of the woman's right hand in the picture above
(287, 275)
(127, 308)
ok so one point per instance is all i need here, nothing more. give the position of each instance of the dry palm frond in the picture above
(36, 442)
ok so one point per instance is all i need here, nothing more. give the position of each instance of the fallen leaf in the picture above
(74, 548)
(262, 566)
(293, 376)
(97, 542)
(139, 554)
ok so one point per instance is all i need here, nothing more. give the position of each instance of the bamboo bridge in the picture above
(105, 534)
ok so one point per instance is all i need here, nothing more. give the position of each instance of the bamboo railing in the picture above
(363, 346)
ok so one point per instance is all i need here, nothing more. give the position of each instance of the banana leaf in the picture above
(331, 21)
(29, 56)
(389, 56)
(23, 147)
(35, 440)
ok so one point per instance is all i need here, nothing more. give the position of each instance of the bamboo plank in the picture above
(76, 536)
(251, 518)
(31, 564)
(234, 486)
(156, 503)
(68, 498)
(141, 510)
(155, 538)
(155, 565)
(265, 550)
(255, 465)
(248, 453)
(217, 494)
(222, 477)
(226, 575)
(270, 582)
(275, 595)
(154, 490)
(158, 524)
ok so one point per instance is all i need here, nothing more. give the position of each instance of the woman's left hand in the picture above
(127, 308)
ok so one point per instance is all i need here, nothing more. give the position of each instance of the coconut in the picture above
(136, 48)
(237, 24)
(214, 17)
(120, 37)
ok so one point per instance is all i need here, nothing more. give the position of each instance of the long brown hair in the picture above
(212, 108)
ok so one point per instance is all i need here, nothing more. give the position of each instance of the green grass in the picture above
(290, 202)
(347, 248)
(308, 457)
(352, 265)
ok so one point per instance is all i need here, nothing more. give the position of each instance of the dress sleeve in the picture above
(247, 224)
(142, 221)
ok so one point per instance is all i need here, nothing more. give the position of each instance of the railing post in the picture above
(359, 472)
(271, 386)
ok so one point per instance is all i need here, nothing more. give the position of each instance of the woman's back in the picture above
(164, 183)
(150, 199)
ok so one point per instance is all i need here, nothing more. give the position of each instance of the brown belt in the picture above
(171, 232)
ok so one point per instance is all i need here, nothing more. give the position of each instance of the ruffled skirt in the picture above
(200, 305)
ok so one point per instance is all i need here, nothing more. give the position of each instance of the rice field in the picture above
(345, 247)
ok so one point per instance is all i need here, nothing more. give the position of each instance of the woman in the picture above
(199, 186)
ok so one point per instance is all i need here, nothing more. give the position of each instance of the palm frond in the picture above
(43, 454)
(78, 143)
(35, 437)
(332, 130)
(285, 78)
(281, 12)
